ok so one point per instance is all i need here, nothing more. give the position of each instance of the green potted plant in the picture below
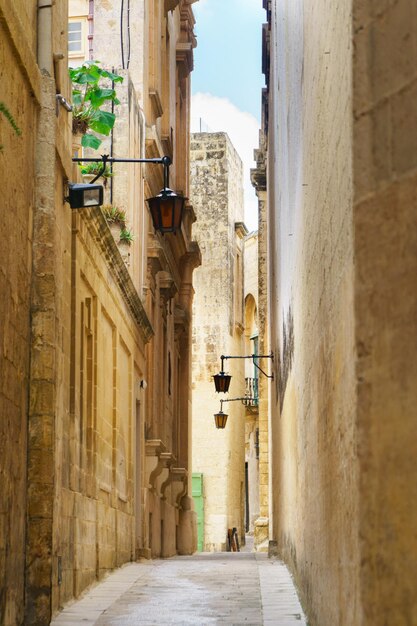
(114, 215)
(90, 96)
(90, 171)
(116, 219)
(126, 239)
(126, 236)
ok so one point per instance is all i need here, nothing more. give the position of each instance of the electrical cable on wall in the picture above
(121, 34)
(128, 33)
(111, 146)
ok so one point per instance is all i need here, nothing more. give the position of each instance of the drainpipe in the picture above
(90, 29)
(142, 133)
(45, 59)
(41, 554)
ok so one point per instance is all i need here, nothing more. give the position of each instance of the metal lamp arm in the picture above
(104, 159)
(261, 370)
(166, 162)
(253, 357)
(233, 399)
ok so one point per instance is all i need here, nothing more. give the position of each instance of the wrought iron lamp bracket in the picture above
(106, 158)
(253, 357)
(245, 399)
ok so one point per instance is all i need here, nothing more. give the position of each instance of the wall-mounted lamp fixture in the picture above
(220, 418)
(84, 195)
(166, 208)
(222, 380)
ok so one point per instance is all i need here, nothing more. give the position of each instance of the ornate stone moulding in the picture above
(99, 230)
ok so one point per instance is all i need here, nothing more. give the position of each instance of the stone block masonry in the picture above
(385, 209)
(20, 93)
(217, 197)
(342, 176)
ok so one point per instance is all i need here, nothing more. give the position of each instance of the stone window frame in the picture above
(82, 20)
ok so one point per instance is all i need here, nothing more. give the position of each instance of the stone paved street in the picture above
(206, 588)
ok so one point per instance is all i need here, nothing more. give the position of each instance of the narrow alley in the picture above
(206, 588)
(208, 312)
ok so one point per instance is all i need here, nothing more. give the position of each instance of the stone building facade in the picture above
(251, 346)
(35, 271)
(258, 179)
(218, 328)
(95, 355)
(339, 122)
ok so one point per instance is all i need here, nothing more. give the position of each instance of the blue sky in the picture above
(228, 54)
(227, 79)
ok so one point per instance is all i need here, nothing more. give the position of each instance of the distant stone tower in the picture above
(217, 197)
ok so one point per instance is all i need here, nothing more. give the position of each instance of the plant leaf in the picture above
(102, 122)
(86, 77)
(76, 97)
(115, 77)
(98, 96)
(90, 141)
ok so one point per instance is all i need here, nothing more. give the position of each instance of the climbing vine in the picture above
(9, 117)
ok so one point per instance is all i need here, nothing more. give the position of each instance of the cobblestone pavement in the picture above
(239, 588)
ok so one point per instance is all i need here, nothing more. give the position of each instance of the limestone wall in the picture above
(384, 215)
(35, 222)
(17, 170)
(311, 305)
(74, 329)
(251, 345)
(342, 205)
(217, 329)
(95, 530)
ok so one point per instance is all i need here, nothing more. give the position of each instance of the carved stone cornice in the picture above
(168, 480)
(266, 52)
(258, 174)
(187, 41)
(166, 141)
(185, 58)
(170, 5)
(241, 230)
(181, 320)
(167, 286)
(154, 448)
(155, 99)
(99, 230)
(189, 261)
(189, 209)
(258, 178)
(179, 484)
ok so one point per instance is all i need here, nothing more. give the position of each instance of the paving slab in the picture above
(205, 589)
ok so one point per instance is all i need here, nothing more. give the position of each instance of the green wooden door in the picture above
(199, 508)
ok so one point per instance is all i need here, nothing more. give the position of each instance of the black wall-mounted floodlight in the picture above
(222, 380)
(166, 208)
(220, 418)
(84, 195)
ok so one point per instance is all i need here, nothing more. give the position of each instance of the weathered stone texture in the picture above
(17, 196)
(385, 208)
(310, 250)
(251, 330)
(216, 193)
(343, 308)
(74, 327)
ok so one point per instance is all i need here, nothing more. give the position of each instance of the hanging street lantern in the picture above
(166, 208)
(220, 419)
